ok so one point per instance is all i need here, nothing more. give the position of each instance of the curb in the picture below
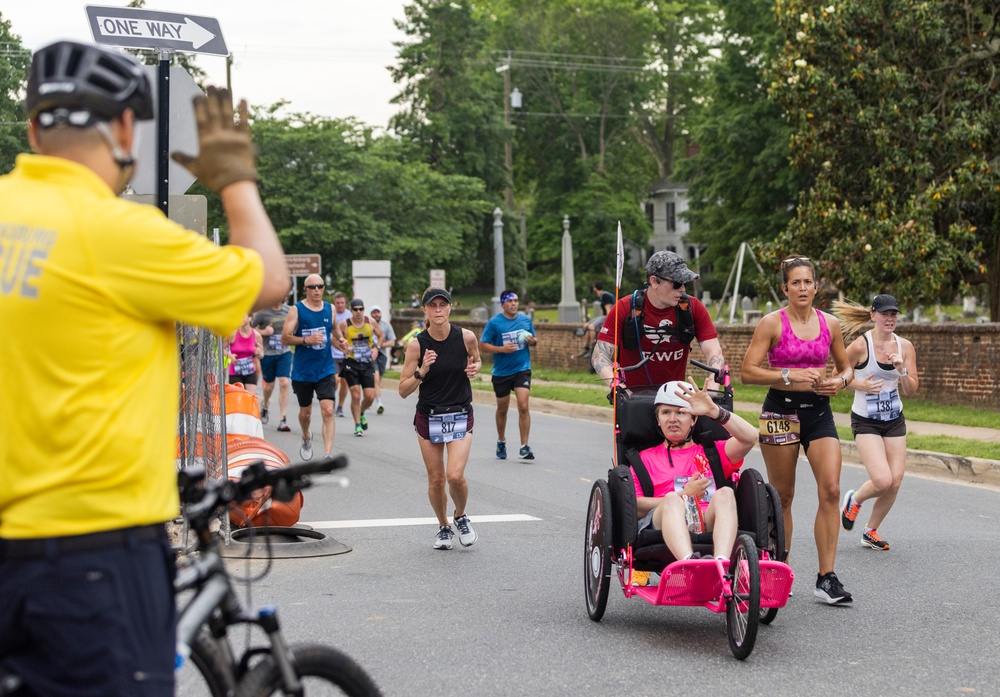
(953, 468)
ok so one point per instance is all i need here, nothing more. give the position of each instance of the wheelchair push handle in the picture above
(721, 375)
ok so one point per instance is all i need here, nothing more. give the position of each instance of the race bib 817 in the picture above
(444, 428)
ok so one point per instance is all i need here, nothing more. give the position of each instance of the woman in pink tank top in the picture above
(797, 342)
(245, 348)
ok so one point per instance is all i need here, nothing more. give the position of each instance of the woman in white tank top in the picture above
(885, 368)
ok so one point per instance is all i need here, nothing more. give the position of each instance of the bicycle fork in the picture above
(267, 619)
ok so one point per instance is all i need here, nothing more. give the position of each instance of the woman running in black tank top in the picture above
(440, 364)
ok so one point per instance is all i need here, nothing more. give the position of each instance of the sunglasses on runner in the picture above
(677, 285)
(315, 287)
(357, 309)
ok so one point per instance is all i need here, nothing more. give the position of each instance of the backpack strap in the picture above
(632, 330)
(684, 328)
(641, 473)
(706, 439)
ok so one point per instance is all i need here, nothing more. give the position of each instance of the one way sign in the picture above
(138, 28)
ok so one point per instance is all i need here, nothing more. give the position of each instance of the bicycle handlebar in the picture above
(284, 482)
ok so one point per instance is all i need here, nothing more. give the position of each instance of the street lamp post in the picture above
(508, 146)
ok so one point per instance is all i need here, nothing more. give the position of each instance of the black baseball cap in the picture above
(884, 303)
(357, 302)
(435, 293)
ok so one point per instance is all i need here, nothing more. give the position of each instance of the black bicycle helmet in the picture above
(84, 78)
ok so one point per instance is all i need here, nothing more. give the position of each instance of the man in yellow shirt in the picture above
(88, 412)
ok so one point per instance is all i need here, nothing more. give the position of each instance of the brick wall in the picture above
(959, 363)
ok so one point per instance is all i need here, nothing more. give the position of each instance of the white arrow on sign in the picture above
(187, 32)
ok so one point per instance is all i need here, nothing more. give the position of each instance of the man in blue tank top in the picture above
(311, 329)
(507, 336)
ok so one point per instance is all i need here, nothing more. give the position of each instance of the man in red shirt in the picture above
(666, 278)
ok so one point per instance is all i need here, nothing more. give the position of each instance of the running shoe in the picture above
(501, 450)
(340, 411)
(306, 451)
(364, 422)
(525, 453)
(873, 540)
(263, 415)
(466, 535)
(849, 513)
(830, 591)
(444, 538)
(380, 410)
(358, 431)
(283, 426)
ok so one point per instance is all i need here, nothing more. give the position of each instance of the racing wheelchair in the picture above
(750, 588)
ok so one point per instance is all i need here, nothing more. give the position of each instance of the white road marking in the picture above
(392, 522)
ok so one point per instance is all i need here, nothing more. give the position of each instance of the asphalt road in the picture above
(507, 615)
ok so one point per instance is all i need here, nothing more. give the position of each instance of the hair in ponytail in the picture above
(853, 317)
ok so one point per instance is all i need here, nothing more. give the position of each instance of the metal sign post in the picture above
(163, 135)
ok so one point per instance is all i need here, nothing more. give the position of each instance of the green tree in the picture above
(332, 188)
(679, 52)
(581, 69)
(14, 62)
(896, 113)
(450, 98)
(451, 112)
(741, 184)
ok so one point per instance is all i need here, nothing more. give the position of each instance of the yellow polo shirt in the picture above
(90, 289)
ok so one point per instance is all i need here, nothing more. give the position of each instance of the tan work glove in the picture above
(225, 153)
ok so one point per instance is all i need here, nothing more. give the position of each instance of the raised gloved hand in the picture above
(225, 152)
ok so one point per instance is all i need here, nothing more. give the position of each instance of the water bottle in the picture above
(693, 516)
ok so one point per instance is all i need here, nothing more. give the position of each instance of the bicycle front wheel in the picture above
(205, 673)
(323, 671)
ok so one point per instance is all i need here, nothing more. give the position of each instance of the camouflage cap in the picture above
(669, 265)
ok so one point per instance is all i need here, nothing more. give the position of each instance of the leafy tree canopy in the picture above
(895, 110)
(740, 183)
(331, 188)
(14, 62)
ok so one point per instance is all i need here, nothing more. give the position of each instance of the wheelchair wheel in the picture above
(598, 550)
(743, 609)
(775, 541)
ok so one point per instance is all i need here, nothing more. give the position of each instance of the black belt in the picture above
(38, 547)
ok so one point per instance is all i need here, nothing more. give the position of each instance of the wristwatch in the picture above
(784, 376)
(417, 375)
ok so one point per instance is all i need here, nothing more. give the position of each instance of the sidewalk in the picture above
(955, 468)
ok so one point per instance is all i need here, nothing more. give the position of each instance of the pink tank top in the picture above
(793, 352)
(243, 348)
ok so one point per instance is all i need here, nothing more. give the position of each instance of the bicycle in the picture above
(204, 621)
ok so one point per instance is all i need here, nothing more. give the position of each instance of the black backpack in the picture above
(682, 331)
